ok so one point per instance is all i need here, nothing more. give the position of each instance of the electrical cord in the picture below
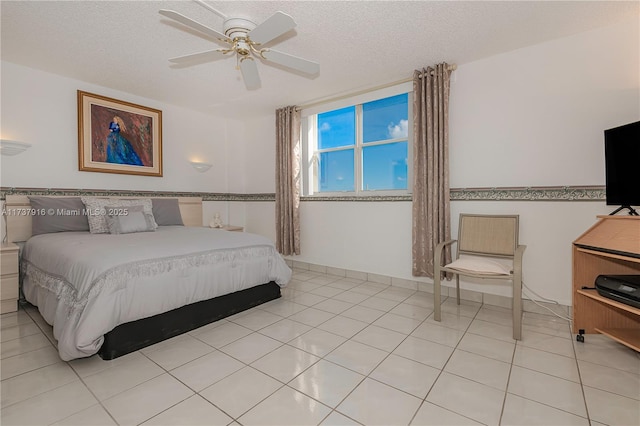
(524, 287)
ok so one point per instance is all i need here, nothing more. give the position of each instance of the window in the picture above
(360, 149)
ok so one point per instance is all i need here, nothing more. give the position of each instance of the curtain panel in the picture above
(431, 206)
(288, 180)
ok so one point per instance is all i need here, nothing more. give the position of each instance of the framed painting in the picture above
(118, 137)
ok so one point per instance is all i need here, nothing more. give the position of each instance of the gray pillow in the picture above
(133, 219)
(166, 211)
(53, 214)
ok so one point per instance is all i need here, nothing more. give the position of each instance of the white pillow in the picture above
(479, 265)
(98, 208)
(135, 220)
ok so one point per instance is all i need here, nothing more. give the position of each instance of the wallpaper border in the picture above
(541, 193)
(67, 192)
(547, 193)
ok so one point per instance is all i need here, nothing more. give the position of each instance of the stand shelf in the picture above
(611, 247)
(625, 336)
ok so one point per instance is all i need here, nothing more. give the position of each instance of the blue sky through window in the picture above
(337, 128)
(385, 118)
(384, 166)
(336, 171)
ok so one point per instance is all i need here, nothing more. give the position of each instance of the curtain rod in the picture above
(451, 67)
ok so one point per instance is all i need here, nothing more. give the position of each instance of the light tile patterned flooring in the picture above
(331, 351)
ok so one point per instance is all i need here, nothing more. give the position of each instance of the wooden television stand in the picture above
(610, 247)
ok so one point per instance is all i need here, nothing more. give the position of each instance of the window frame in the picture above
(309, 139)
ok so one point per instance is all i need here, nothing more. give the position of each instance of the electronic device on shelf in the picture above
(622, 157)
(622, 288)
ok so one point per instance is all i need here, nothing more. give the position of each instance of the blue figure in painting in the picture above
(119, 149)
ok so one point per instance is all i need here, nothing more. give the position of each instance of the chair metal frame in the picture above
(493, 236)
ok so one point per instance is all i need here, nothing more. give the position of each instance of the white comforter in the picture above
(87, 284)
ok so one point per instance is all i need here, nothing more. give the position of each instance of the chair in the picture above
(482, 239)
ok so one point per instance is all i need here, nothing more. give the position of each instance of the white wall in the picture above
(530, 117)
(252, 171)
(361, 236)
(261, 154)
(535, 116)
(40, 108)
(260, 218)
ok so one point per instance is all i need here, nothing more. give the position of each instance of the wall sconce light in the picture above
(200, 166)
(8, 147)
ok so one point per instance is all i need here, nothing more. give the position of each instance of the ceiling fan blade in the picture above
(209, 55)
(290, 61)
(276, 25)
(250, 74)
(193, 24)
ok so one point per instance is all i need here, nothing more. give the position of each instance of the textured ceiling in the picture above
(125, 45)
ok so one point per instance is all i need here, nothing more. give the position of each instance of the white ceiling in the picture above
(125, 45)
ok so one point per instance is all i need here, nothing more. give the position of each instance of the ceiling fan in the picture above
(244, 40)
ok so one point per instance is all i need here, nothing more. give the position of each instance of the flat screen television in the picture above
(622, 166)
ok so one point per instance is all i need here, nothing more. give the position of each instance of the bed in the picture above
(113, 294)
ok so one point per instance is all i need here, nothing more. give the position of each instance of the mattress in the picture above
(87, 284)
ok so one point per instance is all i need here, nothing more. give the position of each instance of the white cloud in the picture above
(325, 127)
(400, 130)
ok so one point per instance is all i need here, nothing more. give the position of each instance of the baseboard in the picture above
(469, 295)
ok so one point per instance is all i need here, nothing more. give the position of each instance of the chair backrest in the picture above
(488, 235)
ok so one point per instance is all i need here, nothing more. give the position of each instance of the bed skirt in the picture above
(135, 335)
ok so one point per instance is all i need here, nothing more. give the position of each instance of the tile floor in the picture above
(331, 351)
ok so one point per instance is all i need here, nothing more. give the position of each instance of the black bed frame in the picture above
(135, 335)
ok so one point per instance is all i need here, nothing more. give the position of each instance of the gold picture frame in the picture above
(118, 137)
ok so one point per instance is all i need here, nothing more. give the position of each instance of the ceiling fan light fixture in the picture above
(237, 27)
(243, 46)
(245, 38)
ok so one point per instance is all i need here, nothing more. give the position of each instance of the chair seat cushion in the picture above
(479, 265)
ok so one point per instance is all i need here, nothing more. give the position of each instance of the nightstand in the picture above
(8, 278)
(233, 228)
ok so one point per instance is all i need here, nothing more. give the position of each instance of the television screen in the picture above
(622, 164)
